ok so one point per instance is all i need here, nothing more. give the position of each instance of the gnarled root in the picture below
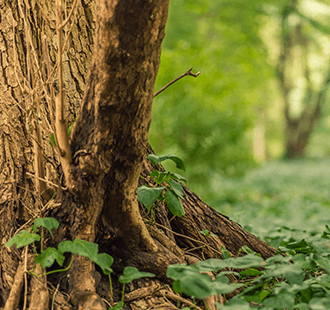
(40, 293)
(83, 280)
(15, 292)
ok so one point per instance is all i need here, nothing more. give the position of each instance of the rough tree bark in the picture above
(109, 143)
(292, 68)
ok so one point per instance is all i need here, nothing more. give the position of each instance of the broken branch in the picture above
(177, 79)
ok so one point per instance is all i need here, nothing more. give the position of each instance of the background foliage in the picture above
(208, 121)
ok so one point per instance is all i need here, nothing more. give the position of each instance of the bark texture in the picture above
(109, 144)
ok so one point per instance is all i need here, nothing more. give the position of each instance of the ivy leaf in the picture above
(250, 272)
(178, 177)
(105, 261)
(148, 195)
(157, 159)
(22, 239)
(131, 273)
(155, 173)
(174, 203)
(47, 222)
(177, 188)
(80, 247)
(206, 233)
(225, 253)
(163, 177)
(47, 257)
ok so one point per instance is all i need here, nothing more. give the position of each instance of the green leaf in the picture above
(148, 195)
(22, 239)
(212, 264)
(105, 261)
(246, 261)
(119, 306)
(80, 247)
(250, 272)
(234, 304)
(292, 273)
(177, 188)
(47, 257)
(317, 303)
(174, 203)
(323, 262)
(283, 300)
(131, 273)
(197, 285)
(247, 250)
(206, 233)
(155, 173)
(176, 286)
(70, 129)
(176, 271)
(225, 253)
(47, 222)
(178, 177)
(157, 159)
(163, 177)
(263, 294)
(220, 287)
(52, 141)
(302, 306)
(191, 282)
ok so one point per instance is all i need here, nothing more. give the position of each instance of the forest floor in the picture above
(285, 198)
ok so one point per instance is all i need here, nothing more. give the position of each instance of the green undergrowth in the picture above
(287, 204)
(293, 194)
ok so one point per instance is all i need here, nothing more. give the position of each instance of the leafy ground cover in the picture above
(287, 204)
(289, 198)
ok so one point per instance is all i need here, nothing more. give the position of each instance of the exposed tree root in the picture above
(83, 280)
(15, 292)
(209, 301)
(58, 301)
(40, 293)
(168, 294)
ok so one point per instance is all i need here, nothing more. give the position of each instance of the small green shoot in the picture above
(171, 193)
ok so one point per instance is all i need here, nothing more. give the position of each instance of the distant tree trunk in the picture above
(302, 101)
(109, 144)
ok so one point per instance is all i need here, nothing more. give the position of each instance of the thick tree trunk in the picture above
(109, 143)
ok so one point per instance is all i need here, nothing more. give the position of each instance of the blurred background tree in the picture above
(231, 117)
(303, 82)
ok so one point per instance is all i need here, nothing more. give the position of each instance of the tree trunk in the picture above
(292, 68)
(298, 132)
(96, 200)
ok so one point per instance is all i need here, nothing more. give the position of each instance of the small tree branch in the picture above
(61, 132)
(177, 79)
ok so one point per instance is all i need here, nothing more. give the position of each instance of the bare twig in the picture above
(170, 295)
(54, 295)
(61, 133)
(187, 237)
(45, 15)
(70, 14)
(25, 277)
(177, 79)
(49, 182)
